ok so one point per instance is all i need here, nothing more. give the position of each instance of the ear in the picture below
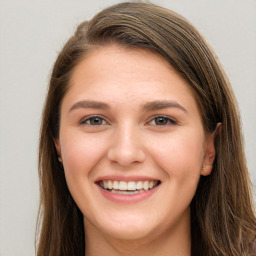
(58, 149)
(210, 152)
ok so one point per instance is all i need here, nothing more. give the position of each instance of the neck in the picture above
(176, 241)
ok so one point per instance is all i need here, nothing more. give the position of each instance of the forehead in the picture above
(111, 72)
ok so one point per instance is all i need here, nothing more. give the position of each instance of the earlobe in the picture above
(206, 170)
(209, 156)
(210, 152)
(58, 149)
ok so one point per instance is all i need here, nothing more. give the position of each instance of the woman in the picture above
(141, 150)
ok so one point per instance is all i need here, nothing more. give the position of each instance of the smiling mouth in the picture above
(128, 188)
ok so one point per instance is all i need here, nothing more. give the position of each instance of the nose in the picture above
(126, 147)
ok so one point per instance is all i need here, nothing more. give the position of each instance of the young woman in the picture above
(141, 150)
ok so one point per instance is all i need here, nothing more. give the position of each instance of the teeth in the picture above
(135, 186)
(139, 185)
(105, 184)
(131, 185)
(145, 185)
(151, 184)
(110, 185)
(122, 185)
(115, 185)
(125, 192)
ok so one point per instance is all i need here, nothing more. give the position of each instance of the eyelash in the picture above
(166, 120)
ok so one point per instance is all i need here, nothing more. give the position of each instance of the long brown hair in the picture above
(222, 215)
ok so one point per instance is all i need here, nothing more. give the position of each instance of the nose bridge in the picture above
(127, 146)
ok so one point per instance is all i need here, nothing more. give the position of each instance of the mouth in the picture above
(128, 187)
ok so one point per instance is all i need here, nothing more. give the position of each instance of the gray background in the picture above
(31, 34)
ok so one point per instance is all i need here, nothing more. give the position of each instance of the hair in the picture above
(222, 214)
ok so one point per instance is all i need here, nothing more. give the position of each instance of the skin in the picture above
(128, 140)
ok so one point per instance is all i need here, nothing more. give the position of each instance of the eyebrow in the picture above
(149, 106)
(89, 104)
(159, 104)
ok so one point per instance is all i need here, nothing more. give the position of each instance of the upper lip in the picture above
(125, 178)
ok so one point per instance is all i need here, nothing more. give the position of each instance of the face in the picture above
(132, 144)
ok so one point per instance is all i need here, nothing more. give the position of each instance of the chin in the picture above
(128, 227)
(129, 233)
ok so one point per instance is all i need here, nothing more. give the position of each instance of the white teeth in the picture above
(131, 185)
(128, 186)
(122, 185)
(115, 185)
(139, 185)
(145, 185)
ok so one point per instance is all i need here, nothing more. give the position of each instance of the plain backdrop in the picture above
(32, 32)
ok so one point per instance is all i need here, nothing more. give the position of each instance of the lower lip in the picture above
(133, 198)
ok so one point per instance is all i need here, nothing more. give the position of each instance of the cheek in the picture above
(180, 156)
(80, 151)
(80, 155)
(181, 159)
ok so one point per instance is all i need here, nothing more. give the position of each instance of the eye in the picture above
(94, 120)
(162, 120)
